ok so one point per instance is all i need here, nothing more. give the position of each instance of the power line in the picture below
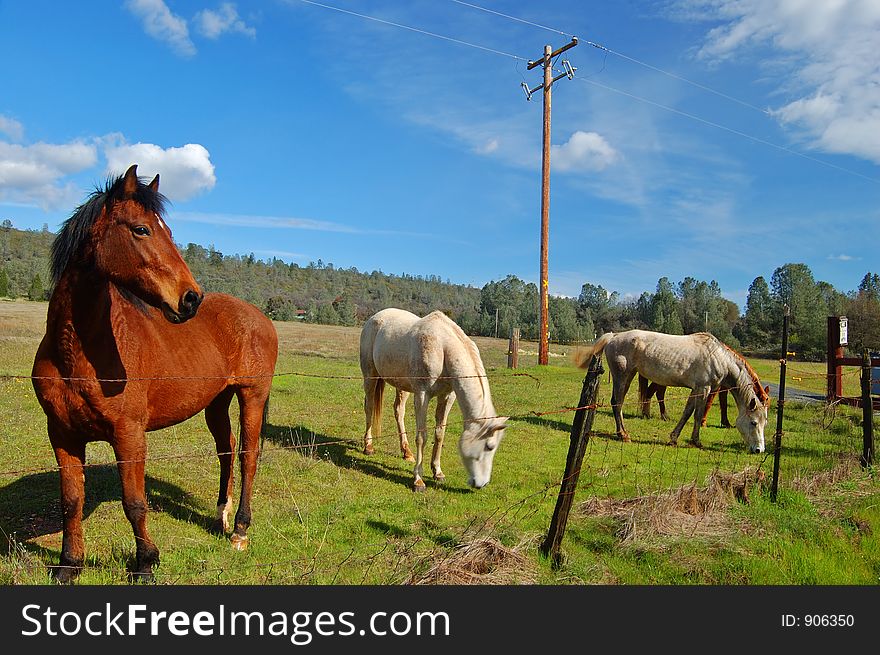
(605, 86)
(728, 129)
(519, 20)
(626, 57)
(766, 112)
(413, 29)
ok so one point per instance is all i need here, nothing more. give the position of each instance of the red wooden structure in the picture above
(837, 340)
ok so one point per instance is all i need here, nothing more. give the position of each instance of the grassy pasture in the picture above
(325, 513)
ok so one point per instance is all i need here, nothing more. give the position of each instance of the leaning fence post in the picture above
(581, 426)
(513, 348)
(867, 458)
(780, 405)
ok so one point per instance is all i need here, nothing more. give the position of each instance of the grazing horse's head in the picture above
(119, 234)
(477, 447)
(752, 418)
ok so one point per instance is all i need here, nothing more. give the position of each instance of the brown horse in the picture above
(133, 345)
(648, 390)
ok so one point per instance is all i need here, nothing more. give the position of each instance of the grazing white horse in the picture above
(427, 357)
(699, 362)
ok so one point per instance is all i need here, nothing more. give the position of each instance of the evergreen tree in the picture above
(4, 283)
(36, 292)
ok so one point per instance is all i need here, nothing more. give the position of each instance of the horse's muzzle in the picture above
(186, 308)
(189, 304)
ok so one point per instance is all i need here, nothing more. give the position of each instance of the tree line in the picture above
(320, 292)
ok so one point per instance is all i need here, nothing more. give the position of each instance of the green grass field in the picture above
(325, 513)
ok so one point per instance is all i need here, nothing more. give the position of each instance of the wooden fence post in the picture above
(581, 426)
(867, 458)
(780, 405)
(513, 348)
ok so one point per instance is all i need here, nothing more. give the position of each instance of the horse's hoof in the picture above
(696, 444)
(66, 574)
(368, 450)
(439, 477)
(409, 457)
(419, 486)
(238, 542)
(672, 442)
(624, 437)
(141, 577)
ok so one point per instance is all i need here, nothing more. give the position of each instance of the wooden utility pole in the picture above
(547, 62)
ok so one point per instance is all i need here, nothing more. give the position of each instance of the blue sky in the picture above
(288, 129)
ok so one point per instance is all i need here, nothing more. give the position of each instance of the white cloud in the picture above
(584, 151)
(843, 258)
(11, 128)
(490, 146)
(213, 24)
(184, 172)
(32, 174)
(161, 24)
(829, 49)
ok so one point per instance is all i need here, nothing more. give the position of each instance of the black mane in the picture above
(75, 231)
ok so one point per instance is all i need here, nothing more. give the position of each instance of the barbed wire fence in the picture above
(822, 443)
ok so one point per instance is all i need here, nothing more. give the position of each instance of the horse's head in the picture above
(477, 448)
(132, 246)
(752, 418)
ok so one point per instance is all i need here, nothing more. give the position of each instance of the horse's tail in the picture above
(378, 392)
(582, 355)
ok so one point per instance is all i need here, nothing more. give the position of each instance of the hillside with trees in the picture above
(322, 293)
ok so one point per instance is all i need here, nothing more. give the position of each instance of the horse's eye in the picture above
(141, 230)
(490, 446)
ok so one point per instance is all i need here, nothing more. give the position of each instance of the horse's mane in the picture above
(75, 231)
(473, 352)
(756, 381)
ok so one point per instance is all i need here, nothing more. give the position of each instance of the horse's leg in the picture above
(444, 404)
(371, 384)
(400, 399)
(722, 403)
(688, 410)
(130, 447)
(250, 402)
(709, 401)
(70, 455)
(645, 396)
(621, 385)
(217, 418)
(420, 400)
(661, 401)
(701, 402)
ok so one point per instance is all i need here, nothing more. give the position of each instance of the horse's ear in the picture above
(767, 396)
(130, 181)
(154, 185)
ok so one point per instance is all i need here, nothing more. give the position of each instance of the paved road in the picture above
(794, 395)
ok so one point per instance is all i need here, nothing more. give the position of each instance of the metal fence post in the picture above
(867, 458)
(581, 426)
(780, 405)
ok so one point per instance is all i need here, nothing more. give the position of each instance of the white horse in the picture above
(699, 362)
(427, 357)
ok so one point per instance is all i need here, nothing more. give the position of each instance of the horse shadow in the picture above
(342, 453)
(30, 506)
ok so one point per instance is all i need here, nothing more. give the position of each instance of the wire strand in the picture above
(729, 129)
(413, 29)
(519, 20)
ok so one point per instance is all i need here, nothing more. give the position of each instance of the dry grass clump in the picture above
(484, 561)
(845, 468)
(688, 511)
